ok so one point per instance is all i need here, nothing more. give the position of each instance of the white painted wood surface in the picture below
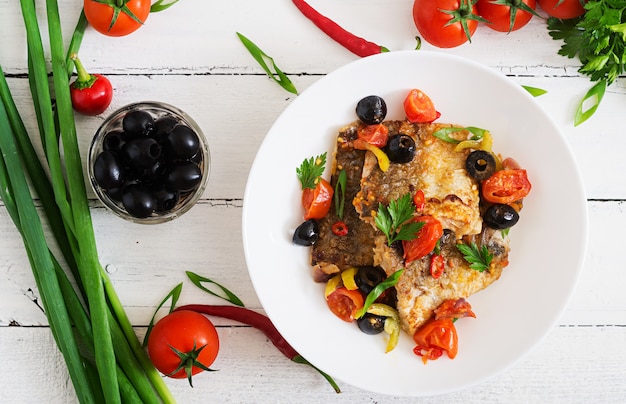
(189, 56)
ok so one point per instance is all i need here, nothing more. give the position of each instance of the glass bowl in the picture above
(149, 162)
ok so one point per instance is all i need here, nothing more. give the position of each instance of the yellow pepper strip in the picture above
(485, 143)
(392, 327)
(384, 310)
(332, 284)
(347, 277)
(383, 160)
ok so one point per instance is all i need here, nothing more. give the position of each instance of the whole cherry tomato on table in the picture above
(116, 17)
(91, 94)
(446, 23)
(563, 9)
(182, 344)
(506, 15)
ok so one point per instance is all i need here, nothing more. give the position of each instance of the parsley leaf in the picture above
(310, 170)
(478, 258)
(393, 220)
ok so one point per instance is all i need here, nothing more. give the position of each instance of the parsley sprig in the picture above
(478, 258)
(310, 170)
(394, 219)
(598, 38)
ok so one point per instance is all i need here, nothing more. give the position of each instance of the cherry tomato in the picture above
(345, 303)
(91, 94)
(506, 16)
(418, 107)
(339, 228)
(506, 186)
(130, 16)
(440, 22)
(425, 241)
(454, 308)
(376, 135)
(563, 9)
(434, 337)
(188, 332)
(316, 201)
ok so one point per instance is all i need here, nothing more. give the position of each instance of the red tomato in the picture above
(505, 17)
(418, 107)
(345, 303)
(425, 241)
(563, 9)
(376, 135)
(101, 16)
(185, 331)
(506, 186)
(434, 337)
(432, 17)
(317, 201)
(454, 308)
(92, 100)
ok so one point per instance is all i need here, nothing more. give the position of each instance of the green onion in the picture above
(534, 91)
(593, 96)
(228, 295)
(378, 290)
(340, 193)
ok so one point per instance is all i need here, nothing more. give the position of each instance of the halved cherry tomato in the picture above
(376, 135)
(345, 303)
(434, 337)
(425, 240)
(437, 266)
(418, 107)
(454, 308)
(317, 201)
(506, 186)
(419, 201)
(339, 228)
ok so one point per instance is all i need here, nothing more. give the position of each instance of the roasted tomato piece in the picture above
(425, 240)
(434, 337)
(506, 186)
(345, 303)
(376, 135)
(418, 107)
(454, 308)
(316, 201)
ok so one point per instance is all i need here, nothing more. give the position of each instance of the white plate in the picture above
(548, 244)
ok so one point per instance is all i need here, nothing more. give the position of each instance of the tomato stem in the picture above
(84, 80)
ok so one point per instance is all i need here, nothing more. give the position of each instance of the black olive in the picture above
(371, 109)
(400, 148)
(141, 152)
(165, 200)
(184, 176)
(113, 140)
(371, 324)
(500, 216)
(108, 171)
(137, 123)
(480, 165)
(138, 201)
(307, 233)
(181, 143)
(163, 126)
(367, 278)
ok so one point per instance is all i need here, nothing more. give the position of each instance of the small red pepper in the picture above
(351, 42)
(339, 228)
(437, 266)
(91, 93)
(419, 200)
(261, 323)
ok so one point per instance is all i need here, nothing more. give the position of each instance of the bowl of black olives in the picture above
(149, 162)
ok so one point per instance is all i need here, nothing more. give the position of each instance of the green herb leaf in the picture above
(340, 193)
(534, 91)
(392, 220)
(375, 293)
(174, 295)
(593, 96)
(478, 258)
(277, 75)
(227, 294)
(161, 5)
(310, 170)
(444, 133)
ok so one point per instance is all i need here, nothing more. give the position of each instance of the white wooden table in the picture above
(189, 56)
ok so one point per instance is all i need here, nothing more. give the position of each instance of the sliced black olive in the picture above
(480, 165)
(367, 278)
(500, 216)
(371, 324)
(307, 233)
(113, 140)
(400, 148)
(165, 200)
(371, 109)
(138, 201)
(141, 152)
(137, 123)
(108, 170)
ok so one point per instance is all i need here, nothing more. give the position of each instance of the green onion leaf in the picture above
(534, 91)
(340, 193)
(161, 5)
(590, 102)
(277, 75)
(228, 295)
(391, 281)
(174, 294)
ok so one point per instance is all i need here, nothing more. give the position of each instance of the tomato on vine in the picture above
(116, 17)
(446, 23)
(506, 15)
(563, 9)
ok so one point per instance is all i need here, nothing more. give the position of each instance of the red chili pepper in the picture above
(261, 323)
(91, 93)
(419, 200)
(353, 43)
(437, 265)
(339, 228)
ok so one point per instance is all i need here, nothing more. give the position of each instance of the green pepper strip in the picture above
(378, 290)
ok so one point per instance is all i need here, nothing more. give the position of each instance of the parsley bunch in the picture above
(598, 38)
(395, 220)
